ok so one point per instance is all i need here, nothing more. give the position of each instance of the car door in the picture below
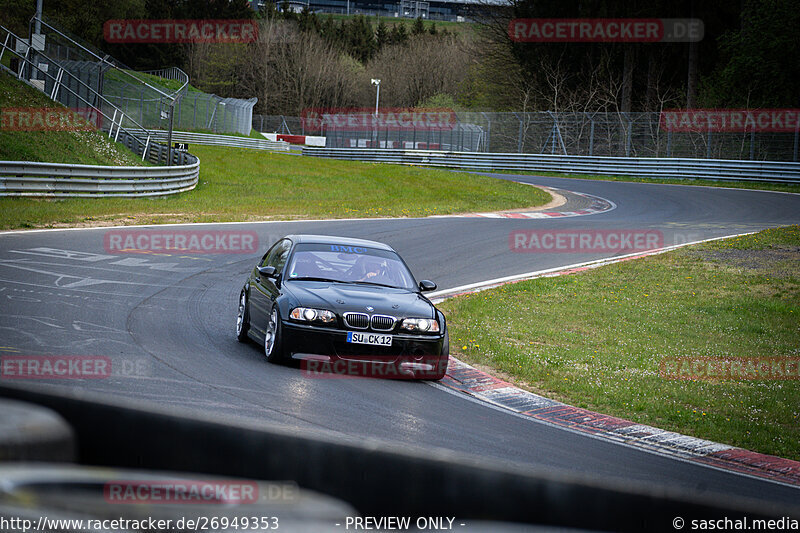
(264, 290)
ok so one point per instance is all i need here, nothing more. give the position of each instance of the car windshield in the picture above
(349, 264)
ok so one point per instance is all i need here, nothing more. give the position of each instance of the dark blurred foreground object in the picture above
(377, 478)
(30, 432)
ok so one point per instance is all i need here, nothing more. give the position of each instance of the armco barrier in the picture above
(378, 478)
(21, 178)
(711, 169)
(24, 178)
(221, 140)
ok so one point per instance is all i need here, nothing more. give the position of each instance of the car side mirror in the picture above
(267, 271)
(427, 285)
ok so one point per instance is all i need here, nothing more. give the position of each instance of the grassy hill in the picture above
(85, 147)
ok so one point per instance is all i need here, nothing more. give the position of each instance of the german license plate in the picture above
(369, 338)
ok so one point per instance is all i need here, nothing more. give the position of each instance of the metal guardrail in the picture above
(601, 134)
(24, 178)
(221, 140)
(711, 169)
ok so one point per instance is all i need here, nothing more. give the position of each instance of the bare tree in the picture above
(427, 66)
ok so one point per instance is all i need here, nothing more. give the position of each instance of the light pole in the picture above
(377, 83)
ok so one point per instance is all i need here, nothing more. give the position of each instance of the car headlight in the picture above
(307, 314)
(421, 325)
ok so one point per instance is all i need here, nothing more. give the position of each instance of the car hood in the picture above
(344, 297)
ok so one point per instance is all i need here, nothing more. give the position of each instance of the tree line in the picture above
(302, 61)
(749, 56)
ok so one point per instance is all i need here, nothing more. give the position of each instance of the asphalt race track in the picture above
(167, 322)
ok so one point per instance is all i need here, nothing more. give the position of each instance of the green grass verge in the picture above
(122, 77)
(596, 339)
(84, 147)
(783, 187)
(241, 184)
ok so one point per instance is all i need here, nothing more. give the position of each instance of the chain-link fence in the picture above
(145, 96)
(458, 136)
(598, 134)
(626, 135)
(196, 111)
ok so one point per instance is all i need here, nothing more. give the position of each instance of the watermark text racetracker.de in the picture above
(180, 31)
(192, 491)
(605, 30)
(585, 241)
(388, 118)
(29, 367)
(730, 120)
(49, 119)
(120, 241)
(368, 366)
(730, 368)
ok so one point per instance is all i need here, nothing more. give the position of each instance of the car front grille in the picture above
(383, 322)
(364, 321)
(356, 320)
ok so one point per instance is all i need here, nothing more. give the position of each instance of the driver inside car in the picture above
(305, 268)
(372, 269)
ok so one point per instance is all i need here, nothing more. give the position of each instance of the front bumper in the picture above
(325, 353)
(332, 343)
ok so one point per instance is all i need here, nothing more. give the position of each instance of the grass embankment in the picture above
(241, 184)
(783, 187)
(596, 339)
(84, 147)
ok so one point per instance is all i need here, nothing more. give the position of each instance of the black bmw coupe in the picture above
(344, 307)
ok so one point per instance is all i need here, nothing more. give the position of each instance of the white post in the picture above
(378, 94)
(377, 83)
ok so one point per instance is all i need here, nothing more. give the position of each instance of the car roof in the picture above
(346, 241)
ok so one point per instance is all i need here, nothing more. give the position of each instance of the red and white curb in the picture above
(464, 378)
(598, 205)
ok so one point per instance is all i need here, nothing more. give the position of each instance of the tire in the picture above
(273, 347)
(242, 318)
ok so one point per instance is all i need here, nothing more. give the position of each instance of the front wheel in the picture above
(242, 318)
(272, 337)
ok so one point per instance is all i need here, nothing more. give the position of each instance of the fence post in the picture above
(669, 143)
(708, 141)
(628, 137)
(519, 135)
(753, 143)
(488, 131)
(591, 137)
(194, 112)
(796, 135)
